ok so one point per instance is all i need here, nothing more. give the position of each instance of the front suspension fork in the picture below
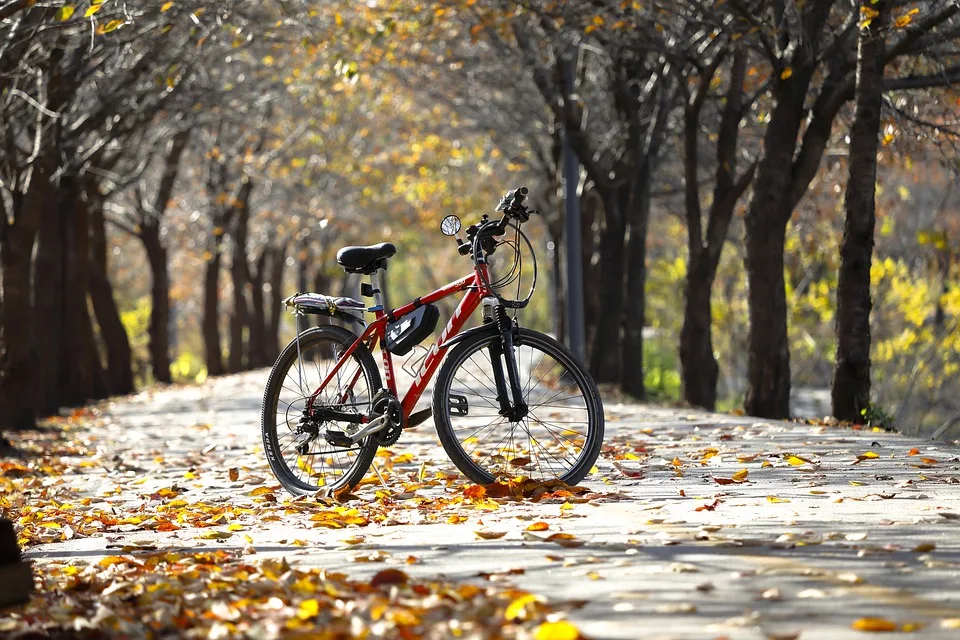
(503, 356)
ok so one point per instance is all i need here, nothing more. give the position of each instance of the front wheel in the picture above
(559, 437)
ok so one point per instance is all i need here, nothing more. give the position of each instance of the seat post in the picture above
(375, 285)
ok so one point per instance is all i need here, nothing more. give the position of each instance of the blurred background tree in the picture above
(170, 172)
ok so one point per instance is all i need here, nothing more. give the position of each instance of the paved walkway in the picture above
(696, 525)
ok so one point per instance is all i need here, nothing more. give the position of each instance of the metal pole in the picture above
(571, 200)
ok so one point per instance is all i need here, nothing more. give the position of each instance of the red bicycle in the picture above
(508, 401)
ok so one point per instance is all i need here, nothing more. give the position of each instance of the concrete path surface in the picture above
(696, 525)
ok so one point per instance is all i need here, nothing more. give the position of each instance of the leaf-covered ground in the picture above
(157, 517)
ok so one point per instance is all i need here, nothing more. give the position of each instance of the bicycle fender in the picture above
(489, 328)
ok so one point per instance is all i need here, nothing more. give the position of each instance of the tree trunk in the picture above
(158, 331)
(99, 383)
(605, 356)
(18, 358)
(699, 367)
(256, 347)
(851, 381)
(239, 318)
(151, 218)
(765, 222)
(48, 300)
(240, 274)
(278, 259)
(768, 368)
(211, 311)
(119, 372)
(590, 203)
(632, 377)
(76, 370)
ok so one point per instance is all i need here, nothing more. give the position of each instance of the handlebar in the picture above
(511, 204)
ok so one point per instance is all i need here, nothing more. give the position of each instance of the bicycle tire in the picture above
(293, 482)
(462, 354)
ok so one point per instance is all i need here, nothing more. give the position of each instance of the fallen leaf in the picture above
(775, 499)
(566, 540)
(308, 609)
(923, 547)
(538, 526)
(474, 492)
(560, 630)
(234, 474)
(741, 475)
(389, 576)
(518, 608)
(874, 624)
(913, 452)
(490, 535)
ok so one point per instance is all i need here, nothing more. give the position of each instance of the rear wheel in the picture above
(303, 461)
(559, 438)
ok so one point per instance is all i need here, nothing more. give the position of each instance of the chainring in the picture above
(387, 404)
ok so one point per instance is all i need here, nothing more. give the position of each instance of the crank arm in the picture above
(339, 438)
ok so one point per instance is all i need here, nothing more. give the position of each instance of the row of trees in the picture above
(758, 88)
(236, 127)
(101, 103)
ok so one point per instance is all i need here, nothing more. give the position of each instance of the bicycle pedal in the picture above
(338, 438)
(458, 405)
(418, 418)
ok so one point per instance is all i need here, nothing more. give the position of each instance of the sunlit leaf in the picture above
(561, 630)
(517, 609)
(874, 624)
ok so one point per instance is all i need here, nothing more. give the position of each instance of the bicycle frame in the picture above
(376, 332)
